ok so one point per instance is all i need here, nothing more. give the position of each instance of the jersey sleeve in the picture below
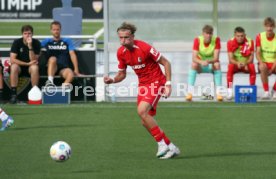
(258, 40)
(37, 47)
(44, 43)
(14, 47)
(196, 44)
(71, 45)
(218, 46)
(121, 64)
(154, 54)
(252, 46)
(229, 46)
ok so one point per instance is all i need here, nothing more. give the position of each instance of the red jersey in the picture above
(196, 44)
(143, 59)
(231, 44)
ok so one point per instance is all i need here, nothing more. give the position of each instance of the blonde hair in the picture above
(127, 26)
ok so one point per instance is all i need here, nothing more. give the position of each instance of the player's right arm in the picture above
(258, 49)
(195, 57)
(120, 76)
(230, 53)
(14, 60)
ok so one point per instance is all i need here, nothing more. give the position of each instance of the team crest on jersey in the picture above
(21, 50)
(22, 82)
(97, 6)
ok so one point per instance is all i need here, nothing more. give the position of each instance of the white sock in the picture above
(230, 92)
(3, 115)
(161, 142)
(51, 78)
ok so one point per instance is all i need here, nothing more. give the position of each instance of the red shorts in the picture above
(151, 94)
(268, 65)
(242, 70)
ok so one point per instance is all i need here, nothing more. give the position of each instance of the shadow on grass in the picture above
(50, 127)
(237, 154)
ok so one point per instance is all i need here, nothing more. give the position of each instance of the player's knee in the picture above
(14, 68)
(142, 112)
(195, 66)
(52, 60)
(216, 66)
(34, 68)
(262, 67)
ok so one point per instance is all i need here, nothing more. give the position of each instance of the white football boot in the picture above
(173, 152)
(162, 149)
(266, 95)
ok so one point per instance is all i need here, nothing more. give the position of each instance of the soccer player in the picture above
(24, 59)
(145, 60)
(266, 55)
(206, 51)
(240, 54)
(59, 51)
(7, 120)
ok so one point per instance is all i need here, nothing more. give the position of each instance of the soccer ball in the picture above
(60, 151)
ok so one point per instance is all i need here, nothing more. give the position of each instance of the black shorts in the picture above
(24, 71)
(62, 63)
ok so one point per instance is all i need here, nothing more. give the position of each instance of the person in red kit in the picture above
(145, 60)
(266, 55)
(240, 54)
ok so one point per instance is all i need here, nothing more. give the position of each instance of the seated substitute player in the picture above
(7, 120)
(206, 51)
(240, 54)
(266, 55)
(59, 51)
(145, 60)
(24, 59)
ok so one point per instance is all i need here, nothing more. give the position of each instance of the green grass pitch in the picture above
(217, 140)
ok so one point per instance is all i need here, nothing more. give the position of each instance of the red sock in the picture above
(252, 74)
(274, 86)
(230, 74)
(157, 133)
(166, 139)
(265, 86)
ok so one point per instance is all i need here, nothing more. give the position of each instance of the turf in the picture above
(218, 140)
(43, 28)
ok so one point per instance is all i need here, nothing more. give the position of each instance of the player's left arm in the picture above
(34, 49)
(216, 56)
(216, 52)
(167, 66)
(74, 60)
(251, 57)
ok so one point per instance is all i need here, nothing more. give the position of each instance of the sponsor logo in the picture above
(57, 47)
(136, 67)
